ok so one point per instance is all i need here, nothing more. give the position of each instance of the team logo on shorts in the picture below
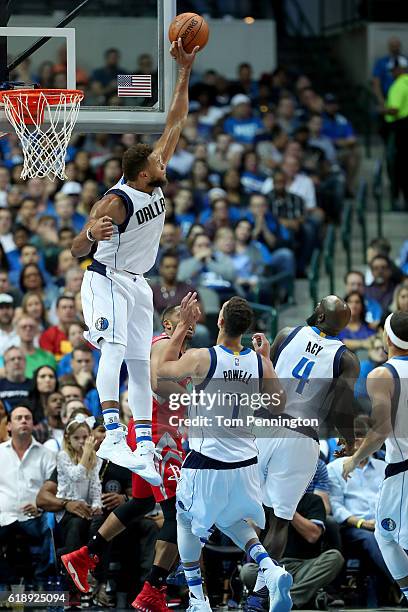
(101, 324)
(388, 524)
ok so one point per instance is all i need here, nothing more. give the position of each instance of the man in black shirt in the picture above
(311, 568)
(14, 387)
(289, 209)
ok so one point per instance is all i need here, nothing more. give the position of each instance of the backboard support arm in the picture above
(41, 42)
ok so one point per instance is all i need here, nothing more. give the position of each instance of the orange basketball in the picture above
(191, 28)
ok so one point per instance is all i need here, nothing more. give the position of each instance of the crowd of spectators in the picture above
(261, 167)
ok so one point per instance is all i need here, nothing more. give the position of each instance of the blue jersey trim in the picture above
(322, 334)
(402, 357)
(244, 351)
(260, 366)
(285, 343)
(198, 461)
(97, 266)
(128, 205)
(337, 360)
(210, 373)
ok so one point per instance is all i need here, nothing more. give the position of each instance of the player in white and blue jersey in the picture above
(387, 387)
(126, 224)
(317, 372)
(219, 482)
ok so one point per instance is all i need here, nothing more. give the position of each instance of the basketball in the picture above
(191, 28)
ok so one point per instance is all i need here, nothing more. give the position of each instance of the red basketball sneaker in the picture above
(151, 599)
(78, 563)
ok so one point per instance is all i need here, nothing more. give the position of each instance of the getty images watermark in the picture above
(232, 410)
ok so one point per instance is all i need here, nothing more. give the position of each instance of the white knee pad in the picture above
(189, 545)
(140, 391)
(393, 554)
(240, 533)
(107, 379)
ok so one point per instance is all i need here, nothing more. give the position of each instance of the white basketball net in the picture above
(45, 142)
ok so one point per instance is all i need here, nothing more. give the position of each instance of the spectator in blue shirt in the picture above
(242, 125)
(353, 503)
(252, 179)
(104, 81)
(341, 133)
(66, 213)
(382, 71)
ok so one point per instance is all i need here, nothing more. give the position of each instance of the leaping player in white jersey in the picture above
(307, 360)
(387, 387)
(219, 479)
(117, 301)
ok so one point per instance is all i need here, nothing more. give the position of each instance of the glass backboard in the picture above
(116, 51)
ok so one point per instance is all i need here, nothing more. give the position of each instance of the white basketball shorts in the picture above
(219, 497)
(392, 517)
(287, 464)
(118, 308)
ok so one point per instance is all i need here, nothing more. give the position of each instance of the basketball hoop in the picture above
(44, 147)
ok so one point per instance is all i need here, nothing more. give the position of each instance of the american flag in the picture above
(139, 85)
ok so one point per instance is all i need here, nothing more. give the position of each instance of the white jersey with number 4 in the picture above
(397, 444)
(225, 401)
(306, 363)
(135, 242)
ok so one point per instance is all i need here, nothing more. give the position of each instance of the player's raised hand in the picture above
(102, 229)
(348, 467)
(181, 57)
(189, 309)
(261, 345)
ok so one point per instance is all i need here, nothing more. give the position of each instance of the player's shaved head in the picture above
(331, 315)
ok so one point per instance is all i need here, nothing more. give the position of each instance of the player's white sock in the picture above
(258, 553)
(143, 433)
(111, 418)
(194, 581)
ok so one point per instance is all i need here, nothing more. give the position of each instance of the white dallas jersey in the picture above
(135, 242)
(230, 383)
(397, 444)
(306, 363)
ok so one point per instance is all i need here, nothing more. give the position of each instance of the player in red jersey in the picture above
(168, 440)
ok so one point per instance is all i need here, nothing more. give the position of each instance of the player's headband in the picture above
(402, 344)
(81, 419)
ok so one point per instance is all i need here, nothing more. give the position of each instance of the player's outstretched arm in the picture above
(380, 388)
(342, 411)
(178, 112)
(107, 211)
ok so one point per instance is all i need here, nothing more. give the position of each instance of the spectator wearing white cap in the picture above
(242, 124)
(8, 335)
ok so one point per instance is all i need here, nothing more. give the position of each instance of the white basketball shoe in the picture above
(145, 455)
(114, 448)
(279, 583)
(199, 605)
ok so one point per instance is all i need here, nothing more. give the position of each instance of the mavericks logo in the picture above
(101, 324)
(388, 524)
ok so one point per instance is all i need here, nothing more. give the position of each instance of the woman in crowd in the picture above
(356, 335)
(45, 382)
(231, 183)
(78, 479)
(31, 279)
(33, 306)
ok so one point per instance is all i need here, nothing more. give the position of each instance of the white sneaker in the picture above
(144, 455)
(279, 582)
(114, 448)
(199, 605)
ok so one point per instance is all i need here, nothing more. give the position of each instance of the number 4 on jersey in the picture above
(306, 365)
